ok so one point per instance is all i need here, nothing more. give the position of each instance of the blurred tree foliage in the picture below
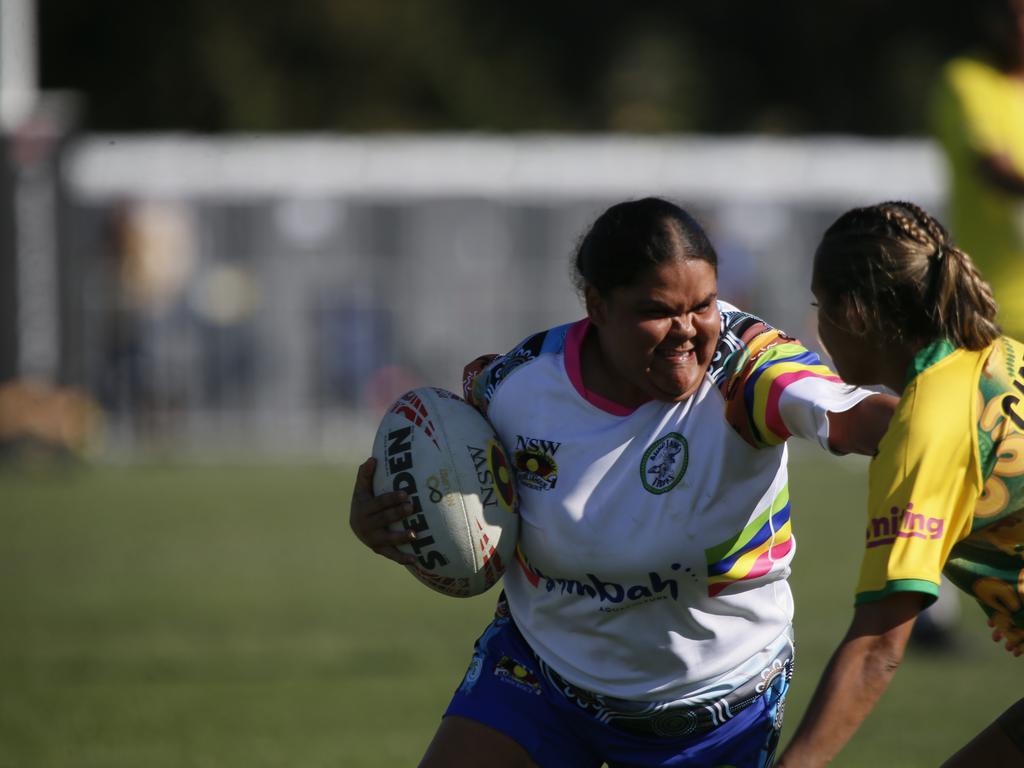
(855, 66)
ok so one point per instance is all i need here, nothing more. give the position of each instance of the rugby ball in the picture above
(445, 455)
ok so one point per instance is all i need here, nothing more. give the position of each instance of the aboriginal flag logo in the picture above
(537, 469)
(504, 483)
(534, 458)
(511, 671)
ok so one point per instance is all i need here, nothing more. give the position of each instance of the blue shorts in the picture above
(509, 689)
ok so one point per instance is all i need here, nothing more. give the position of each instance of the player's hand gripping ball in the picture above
(446, 456)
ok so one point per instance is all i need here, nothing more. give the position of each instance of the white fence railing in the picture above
(274, 292)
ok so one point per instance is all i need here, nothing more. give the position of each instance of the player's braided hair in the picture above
(893, 270)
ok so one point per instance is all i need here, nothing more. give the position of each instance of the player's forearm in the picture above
(857, 675)
(859, 429)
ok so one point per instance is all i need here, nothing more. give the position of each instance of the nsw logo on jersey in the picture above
(664, 463)
(534, 458)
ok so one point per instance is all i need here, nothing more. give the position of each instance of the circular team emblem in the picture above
(476, 664)
(664, 463)
(674, 723)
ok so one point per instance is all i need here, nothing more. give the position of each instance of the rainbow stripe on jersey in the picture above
(750, 554)
(771, 361)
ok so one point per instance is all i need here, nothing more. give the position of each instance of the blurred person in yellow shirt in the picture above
(977, 115)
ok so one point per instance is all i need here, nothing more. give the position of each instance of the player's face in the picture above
(657, 336)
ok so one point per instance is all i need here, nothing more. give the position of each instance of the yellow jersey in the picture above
(946, 490)
(978, 110)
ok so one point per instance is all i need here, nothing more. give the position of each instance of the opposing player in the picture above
(977, 116)
(900, 305)
(648, 618)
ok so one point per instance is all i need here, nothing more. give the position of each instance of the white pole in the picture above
(34, 199)
(19, 81)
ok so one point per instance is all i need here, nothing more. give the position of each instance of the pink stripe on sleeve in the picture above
(772, 413)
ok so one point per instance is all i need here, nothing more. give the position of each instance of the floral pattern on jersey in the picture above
(1001, 433)
(989, 563)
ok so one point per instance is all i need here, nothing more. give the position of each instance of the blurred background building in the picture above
(242, 229)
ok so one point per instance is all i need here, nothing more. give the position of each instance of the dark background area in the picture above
(847, 66)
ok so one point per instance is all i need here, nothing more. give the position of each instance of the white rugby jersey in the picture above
(655, 542)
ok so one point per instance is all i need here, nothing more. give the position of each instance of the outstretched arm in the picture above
(859, 429)
(855, 678)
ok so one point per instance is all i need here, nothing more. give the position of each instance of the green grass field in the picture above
(184, 616)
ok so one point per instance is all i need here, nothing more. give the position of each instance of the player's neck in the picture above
(600, 377)
(895, 366)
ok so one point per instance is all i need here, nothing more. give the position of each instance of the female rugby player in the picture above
(647, 620)
(900, 305)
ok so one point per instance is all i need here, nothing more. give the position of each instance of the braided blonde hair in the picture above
(893, 270)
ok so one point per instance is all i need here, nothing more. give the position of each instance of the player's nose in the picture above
(683, 325)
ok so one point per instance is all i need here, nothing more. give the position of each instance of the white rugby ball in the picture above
(445, 455)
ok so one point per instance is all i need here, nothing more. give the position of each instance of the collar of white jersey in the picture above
(573, 349)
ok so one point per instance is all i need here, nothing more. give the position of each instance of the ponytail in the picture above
(965, 309)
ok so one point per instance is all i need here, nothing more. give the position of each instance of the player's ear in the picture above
(597, 308)
(852, 319)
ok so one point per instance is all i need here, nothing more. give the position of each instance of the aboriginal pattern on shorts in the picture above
(673, 718)
(509, 689)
